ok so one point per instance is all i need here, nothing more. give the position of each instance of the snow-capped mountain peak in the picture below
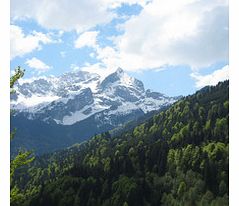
(75, 96)
(120, 78)
(119, 70)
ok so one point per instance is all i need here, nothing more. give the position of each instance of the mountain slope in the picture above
(68, 109)
(75, 96)
(178, 157)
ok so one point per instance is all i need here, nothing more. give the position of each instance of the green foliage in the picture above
(23, 157)
(18, 74)
(179, 157)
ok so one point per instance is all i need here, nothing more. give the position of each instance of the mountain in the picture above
(177, 157)
(77, 105)
(76, 96)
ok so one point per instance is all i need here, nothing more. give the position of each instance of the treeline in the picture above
(178, 157)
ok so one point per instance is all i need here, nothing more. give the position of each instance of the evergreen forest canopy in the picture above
(177, 157)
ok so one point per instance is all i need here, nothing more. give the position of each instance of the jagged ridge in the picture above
(76, 96)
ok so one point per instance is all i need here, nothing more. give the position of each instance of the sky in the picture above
(174, 47)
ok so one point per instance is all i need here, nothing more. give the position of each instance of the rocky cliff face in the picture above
(76, 96)
(55, 112)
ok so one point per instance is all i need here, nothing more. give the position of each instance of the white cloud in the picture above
(211, 79)
(87, 39)
(99, 69)
(182, 32)
(62, 14)
(92, 54)
(118, 3)
(106, 55)
(186, 32)
(74, 67)
(22, 44)
(63, 54)
(193, 33)
(68, 15)
(37, 64)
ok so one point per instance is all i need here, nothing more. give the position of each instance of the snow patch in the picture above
(79, 115)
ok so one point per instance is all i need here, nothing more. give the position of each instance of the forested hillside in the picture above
(177, 157)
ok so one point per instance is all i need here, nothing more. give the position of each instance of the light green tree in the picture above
(23, 157)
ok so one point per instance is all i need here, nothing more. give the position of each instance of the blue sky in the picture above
(173, 47)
